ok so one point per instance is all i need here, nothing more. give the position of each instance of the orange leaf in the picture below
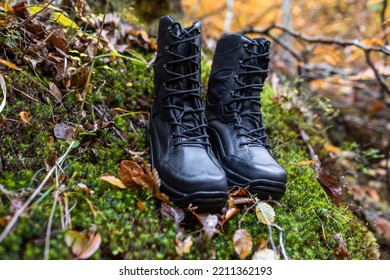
(9, 64)
(308, 162)
(141, 206)
(242, 243)
(332, 149)
(24, 116)
(112, 180)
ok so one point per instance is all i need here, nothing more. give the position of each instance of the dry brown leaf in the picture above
(24, 116)
(55, 91)
(175, 214)
(243, 200)
(231, 213)
(183, 246)
(341, 251)
(242, 243)
(131, 174)
(85, 189)
(9, 64)
(4, 220)
(112, 180)
(209, 222)
(331, 187)
(92, 246)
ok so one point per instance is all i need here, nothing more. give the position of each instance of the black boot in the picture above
(235, 123)
(180, 147)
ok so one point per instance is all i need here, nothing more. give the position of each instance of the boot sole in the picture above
(204, 201)
(262, 190)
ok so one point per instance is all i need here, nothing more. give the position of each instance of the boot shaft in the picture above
(240, 67)
(177, 67)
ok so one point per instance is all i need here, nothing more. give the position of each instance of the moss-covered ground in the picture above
(308, 217)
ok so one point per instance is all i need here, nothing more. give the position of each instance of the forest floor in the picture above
(75, 182)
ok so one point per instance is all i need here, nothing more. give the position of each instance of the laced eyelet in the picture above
(164, 66)
(240, 62)
(240, 145)
(169, 27)
(164, 84)
(166, 47)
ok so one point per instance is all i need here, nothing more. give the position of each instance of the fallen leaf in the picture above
(85, 189)
(55, 91)
(76, 241)
(175, 214)
(24, 116)
(304, 163)
(242, 243)
(63, 131)
(230, 213)
(183, 246)
(331, 148)
(265, 213)
(9, 64)
(341, 251)
(382, 227)
(15, 205)
(331, 187)
(242, 200)
(209, 222)
(4, 220)
(266, 254)
(92, 246)
(141, 206)
(131, 174)
(112, 180)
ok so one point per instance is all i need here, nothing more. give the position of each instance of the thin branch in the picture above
(378, 75)
(327, 41)
(318, 40)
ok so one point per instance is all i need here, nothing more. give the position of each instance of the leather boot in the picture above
(180, 147)
(235, 124)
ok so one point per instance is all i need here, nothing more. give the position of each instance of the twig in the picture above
(4, 90)
(281, 245)
(326, 41)
(49, 223)
(379, 76)
(320, 40)
(313, 156)
(20, 211)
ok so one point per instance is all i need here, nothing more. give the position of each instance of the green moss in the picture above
(307, 216)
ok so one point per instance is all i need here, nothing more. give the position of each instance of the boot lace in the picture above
(255, 73)
(185, 104)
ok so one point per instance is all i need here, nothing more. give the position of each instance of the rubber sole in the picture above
(263, 189)
(204, 201)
